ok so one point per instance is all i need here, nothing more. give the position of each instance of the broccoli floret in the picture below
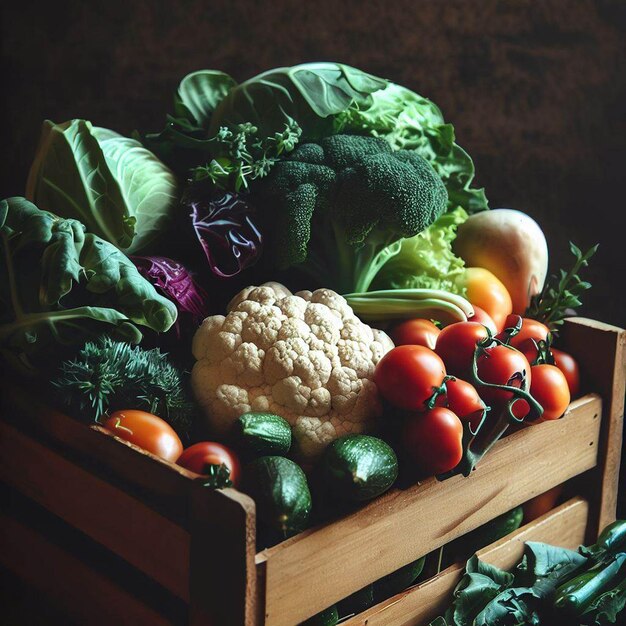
(335, 208)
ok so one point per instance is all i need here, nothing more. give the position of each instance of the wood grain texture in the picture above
(309, 572)
(111, 517)
(564, 526)
(86, 596)
(601, 352)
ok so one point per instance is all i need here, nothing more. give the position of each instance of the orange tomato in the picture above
(146, 431)
(484, 290)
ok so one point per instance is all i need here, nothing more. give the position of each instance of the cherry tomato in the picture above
(146, 431)
(463, 400)
(408, 375)
(418, 332)
(502, 365)
(456, 344)
(549, 387)
(569, 366)
(530, 334)
(200, 456)
(541, 504)
(484, 290)
(434, 440)
(482, 317)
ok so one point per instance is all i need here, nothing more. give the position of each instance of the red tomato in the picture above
(463, 400)
(549, 387)
(569, 366)
(456, 344)
(502, 365)
(531, 333)
(418, 332)
(146, 431)
(199, 457)
(434, 440)
(482, 317)
(408, 375)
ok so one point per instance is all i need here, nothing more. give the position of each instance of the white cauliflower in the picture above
(303, 356)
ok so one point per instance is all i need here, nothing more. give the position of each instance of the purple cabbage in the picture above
(175, 282)
(226, 229)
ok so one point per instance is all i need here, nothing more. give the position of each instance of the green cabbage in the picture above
(426, 261)
(113, 185)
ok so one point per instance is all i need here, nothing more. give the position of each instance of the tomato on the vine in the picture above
(433, 440)
(463, 400)
(407, 376)
(502, 365)
(456, 344)
(549, 387)
(201, 456)
(418, 332)
(146, 431)
(529, 335)
(569, 366)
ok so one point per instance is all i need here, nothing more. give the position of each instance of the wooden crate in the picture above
(141, 540)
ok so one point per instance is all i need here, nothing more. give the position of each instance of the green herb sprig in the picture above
(561, 292)
(241, 156)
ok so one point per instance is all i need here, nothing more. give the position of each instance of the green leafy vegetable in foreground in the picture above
(338, 208)
(108, 375)
(407, 121)
(110, 183)
(60, 286)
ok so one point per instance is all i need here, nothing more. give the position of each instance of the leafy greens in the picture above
(112, 184)
(60, 286)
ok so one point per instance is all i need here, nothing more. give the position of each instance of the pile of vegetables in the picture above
(294, 288)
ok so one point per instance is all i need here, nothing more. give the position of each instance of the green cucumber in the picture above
(611, 540)
(263, 433)
(398, 581)
(359, 467)
(327, 617)
(356, 603)
(280, 490)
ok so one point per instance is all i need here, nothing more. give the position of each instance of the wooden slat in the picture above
(124, 525)
(601, 351)
(87, 596)
(311, 571)
(565, 527)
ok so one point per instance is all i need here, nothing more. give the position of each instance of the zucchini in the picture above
(280, 490)
(359, 467)
(327, 617)
(356, 603)
(611, 540)
(263, 434)
(398, 581)
(574, 596)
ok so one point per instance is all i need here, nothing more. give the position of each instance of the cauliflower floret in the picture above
(306, 357)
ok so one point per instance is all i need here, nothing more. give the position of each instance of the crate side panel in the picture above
(311, 571)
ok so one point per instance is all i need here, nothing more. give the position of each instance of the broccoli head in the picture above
(335, 208)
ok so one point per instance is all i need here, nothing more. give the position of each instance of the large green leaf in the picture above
(149, 188)
(199, 93)
(310, 93)
(71, 178)
(113, 185)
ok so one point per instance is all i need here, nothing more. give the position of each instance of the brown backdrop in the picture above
(536, 90)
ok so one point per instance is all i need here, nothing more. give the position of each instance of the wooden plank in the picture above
(223, 546)
(601, 351)
(314, 569)
(565, 527)
(124, 525)
(167, 483)
(87, 597)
